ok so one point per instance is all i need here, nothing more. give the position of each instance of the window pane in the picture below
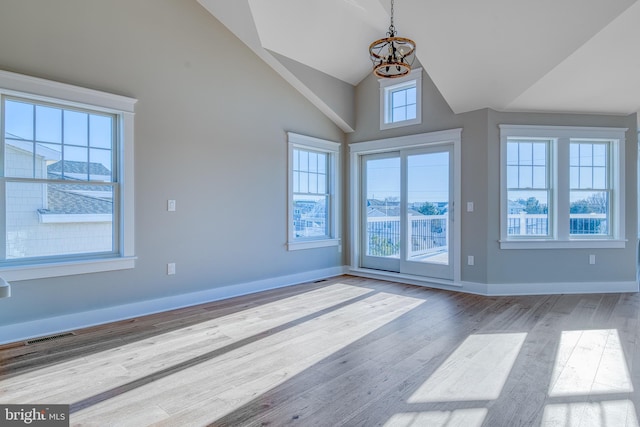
(304, 182)
(540, 154)
(599, 154)
(600, 177)
(589, 213)
(411, 111)
(526, 177)
(528, 213)
(48, 124)
(58, 219)
(18, 159)
(296, 160)
(322, 184)
(586, 177)
(539, 177)
(512, 153)
(574, 155)
(75, 162)
(586, 155)
(411, 95)
(310, 216)
(304, 161)
(100, 165)
(46, 155)
(526, 153)
(399, 98)
(313, 162)
(399, 114)
(19, 120)
(322, 162)
(313, 183)
(512, 176)
(100, 131)
(75, 128)
(574, 177)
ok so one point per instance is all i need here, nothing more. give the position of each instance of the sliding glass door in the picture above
(406, 207)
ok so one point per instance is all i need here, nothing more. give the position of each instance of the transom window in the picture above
(313, 201)
(400, 100)
(562, 187)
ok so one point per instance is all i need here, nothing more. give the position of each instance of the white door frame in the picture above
(356, 150)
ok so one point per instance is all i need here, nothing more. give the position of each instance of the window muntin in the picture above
(528, 190)
(50, 150)
(585, 182)
(313, 192)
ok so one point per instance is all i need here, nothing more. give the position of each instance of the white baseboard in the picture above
(503, 289)
(55, 325)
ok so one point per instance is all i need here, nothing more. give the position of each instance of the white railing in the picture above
(524, 224)
(427, 234)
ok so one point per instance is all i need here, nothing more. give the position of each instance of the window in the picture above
(562, 187)
(66, 179)
(312, 192)
(528, 189)
(400, 100)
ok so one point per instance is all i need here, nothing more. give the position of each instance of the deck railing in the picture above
(524, 224)
(427, 233)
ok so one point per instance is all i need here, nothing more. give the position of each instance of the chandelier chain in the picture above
(392, 28)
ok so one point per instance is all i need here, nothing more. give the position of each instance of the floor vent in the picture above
(50, 338)
(320, 281)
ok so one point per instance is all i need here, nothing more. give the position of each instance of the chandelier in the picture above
(392, 56)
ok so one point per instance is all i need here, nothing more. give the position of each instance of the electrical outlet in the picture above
(171, 268)
(592, 259)
(469, 206)
(471, 260)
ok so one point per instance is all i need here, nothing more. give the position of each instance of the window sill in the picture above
(311, 244)
(69, 268)
(392, 125)
(563, 244)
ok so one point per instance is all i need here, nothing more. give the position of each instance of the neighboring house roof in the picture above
(70, 203)
(78, 197)
(75, 168)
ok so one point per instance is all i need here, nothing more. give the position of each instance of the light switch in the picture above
(171, 205)
(469, 206)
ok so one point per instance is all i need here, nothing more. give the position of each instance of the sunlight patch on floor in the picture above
(476, 370)
(615, 413)
(590, 362)
(111, 368)
(217, 387)
(458, 418)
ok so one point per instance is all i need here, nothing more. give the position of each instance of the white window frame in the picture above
(41, 90)
(388, 86)
(332, 149)
(560, 138)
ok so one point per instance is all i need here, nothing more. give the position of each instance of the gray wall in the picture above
(480, 173)
(210, 133)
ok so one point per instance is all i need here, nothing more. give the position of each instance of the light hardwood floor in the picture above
(347, 351)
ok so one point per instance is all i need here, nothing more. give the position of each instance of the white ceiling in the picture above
(509, 55)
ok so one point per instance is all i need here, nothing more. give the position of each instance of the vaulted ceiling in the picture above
(510, 55)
